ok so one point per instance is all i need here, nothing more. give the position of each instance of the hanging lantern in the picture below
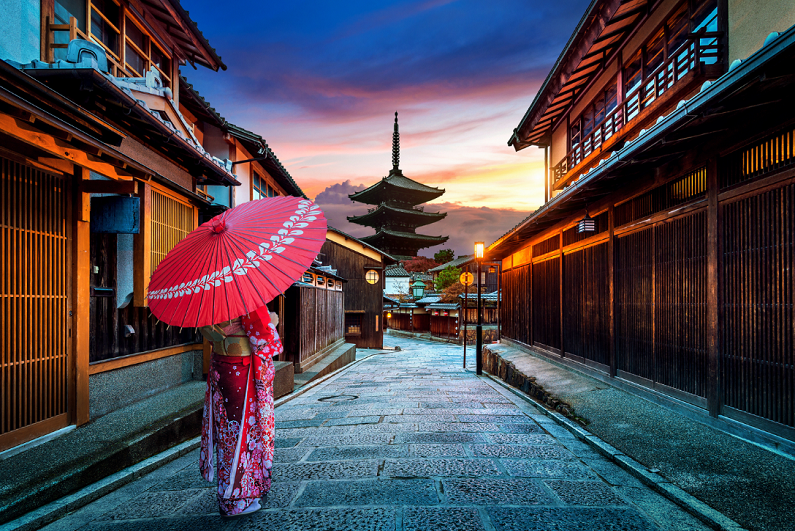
(389, 315)
(586, 224)
(479, 249)
(371, 276)
(418, 289)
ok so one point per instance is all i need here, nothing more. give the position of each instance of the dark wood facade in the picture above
(313, 321)
(685, 286)
(364, 302)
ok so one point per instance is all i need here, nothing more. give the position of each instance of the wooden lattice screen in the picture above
(172, 220)
(33, 300)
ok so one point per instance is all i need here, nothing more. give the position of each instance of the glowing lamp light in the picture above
(479, 249)
(371, 276)
(389, 315)
(586, 224)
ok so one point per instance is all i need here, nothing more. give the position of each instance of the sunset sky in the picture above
(321, 82)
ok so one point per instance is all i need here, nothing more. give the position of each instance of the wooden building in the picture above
(396, 216)
(362, 266)
(101, 177)
(662, 257)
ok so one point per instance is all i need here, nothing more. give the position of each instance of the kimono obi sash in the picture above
(228, 339)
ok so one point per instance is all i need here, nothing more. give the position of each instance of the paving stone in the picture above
(368, 492)
(438, 438)
(280, 495)
(547, 469)
(567, 519)
(419, 418)
(320, 520)
(351, 421)
(520, 438)
(357, 452)
(153, 504)
(612, 473)
(187, 478)
(347, 440)
(477, 427)
(283, 415)
(448, 519)
(287, 442)
(661, 510)
(495, 492)
(375, 411)
(497, 419)
(522, 428)
(423, 468)
(184, 523)
(522, 452)
(593, 493)
(332, 470)
(386, 428)
(289, 455)
(436, 450)
(286, 424)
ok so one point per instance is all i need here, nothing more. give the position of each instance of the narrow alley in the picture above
(405, 440)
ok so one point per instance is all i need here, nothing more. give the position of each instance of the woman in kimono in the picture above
(238, 426)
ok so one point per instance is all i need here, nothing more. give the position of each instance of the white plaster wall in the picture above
(20, 30)
(397, 285)
(243, 174)
(750, 22)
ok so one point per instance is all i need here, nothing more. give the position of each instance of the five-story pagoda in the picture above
(396, 215)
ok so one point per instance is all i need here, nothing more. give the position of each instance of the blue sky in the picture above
(321, 81)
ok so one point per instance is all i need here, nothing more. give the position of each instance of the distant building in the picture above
(396, 215)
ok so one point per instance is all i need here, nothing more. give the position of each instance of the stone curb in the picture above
(47, 514)
(658, 483)
(59, 508)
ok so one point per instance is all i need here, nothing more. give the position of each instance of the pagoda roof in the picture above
(408, 238)
(384, 212)
(396, 186)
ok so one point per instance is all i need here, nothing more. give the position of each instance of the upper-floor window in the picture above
(261, 188)
(592, 118)
(130, 48)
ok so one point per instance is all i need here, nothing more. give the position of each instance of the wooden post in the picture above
(81, 296)
(560, 278)
(611, 279)
(713, 292)
(142, 244)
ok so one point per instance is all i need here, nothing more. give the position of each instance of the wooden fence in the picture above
(315, 319)
(445, 327)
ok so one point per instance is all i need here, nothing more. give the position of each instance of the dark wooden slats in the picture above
(445, 327)
(315, 319)
(33, 296)
(635, 303)
(771, 154)
(586, 303)
(515, 315)
(758, 335)
(546, 302)
(547, 246)
(683, 190)
(680, 309)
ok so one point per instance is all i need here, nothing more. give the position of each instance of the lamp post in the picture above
(479, 329)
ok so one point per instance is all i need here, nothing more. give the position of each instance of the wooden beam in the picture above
(110, 187)
(141, 357)
(23, 131)
(82, 295)
(58, 164)
(189, 32)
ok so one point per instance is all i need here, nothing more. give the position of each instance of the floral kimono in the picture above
(238, 423)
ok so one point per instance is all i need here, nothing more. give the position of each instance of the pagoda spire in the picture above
(395, 145)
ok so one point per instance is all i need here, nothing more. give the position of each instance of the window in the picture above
(172, 220)
(587, 132)
(130, 49)
(353, 324)
(260, 188)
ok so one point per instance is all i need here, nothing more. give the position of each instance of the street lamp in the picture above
(479, 328)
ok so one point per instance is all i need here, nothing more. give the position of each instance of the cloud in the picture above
(337, 194)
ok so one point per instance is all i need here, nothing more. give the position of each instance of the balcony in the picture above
(699, 59)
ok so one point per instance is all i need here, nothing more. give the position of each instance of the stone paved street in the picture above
(405, 440)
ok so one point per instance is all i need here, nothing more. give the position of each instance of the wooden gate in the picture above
(34, 302)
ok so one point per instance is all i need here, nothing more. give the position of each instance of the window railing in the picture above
(700, 48)
(116, 69)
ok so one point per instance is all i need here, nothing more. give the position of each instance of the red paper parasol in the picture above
(237, 262)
